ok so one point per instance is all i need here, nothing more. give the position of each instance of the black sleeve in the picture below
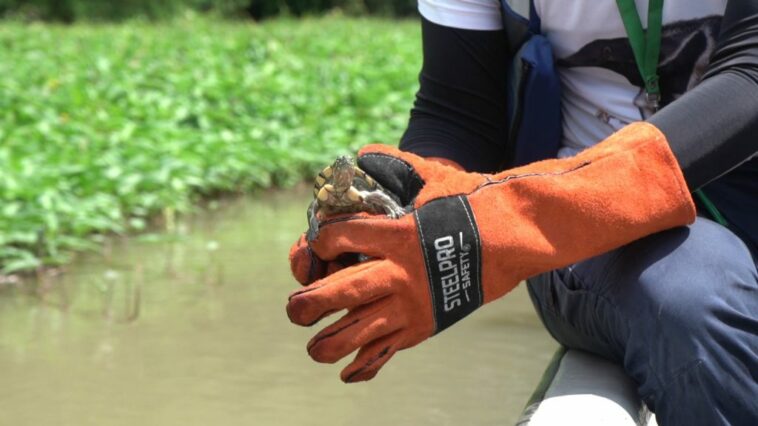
(460, 110)
(713, 128)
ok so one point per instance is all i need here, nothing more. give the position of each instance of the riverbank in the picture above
(106, 127)
(190, 329)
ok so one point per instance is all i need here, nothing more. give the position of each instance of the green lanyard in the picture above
(646, 45)
(647, 49)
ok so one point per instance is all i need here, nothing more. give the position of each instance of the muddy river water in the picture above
(190, 329)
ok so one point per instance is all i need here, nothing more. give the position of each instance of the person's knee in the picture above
(678, 308)
(690, 299)
(684, 276)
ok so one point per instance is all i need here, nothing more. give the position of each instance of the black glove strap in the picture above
(452, 253)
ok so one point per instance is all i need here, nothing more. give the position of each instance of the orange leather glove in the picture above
(307, 267)
(470, 238)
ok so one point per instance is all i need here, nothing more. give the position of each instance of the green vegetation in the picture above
(105, 127)
(264, 8)
(75, 10)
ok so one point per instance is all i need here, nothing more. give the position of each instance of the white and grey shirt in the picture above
(601, 85)
(708, 76)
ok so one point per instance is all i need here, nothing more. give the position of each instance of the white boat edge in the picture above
(579, 388)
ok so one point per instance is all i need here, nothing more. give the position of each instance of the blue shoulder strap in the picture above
(533, 91)
(518, 28)
(535, 23)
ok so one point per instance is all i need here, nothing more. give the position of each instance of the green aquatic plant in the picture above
(106, 127)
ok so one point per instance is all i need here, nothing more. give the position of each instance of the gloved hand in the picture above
(470, 238)
(307, 267)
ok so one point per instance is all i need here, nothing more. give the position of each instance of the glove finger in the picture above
(378, 158)
(356, 329)
(406, 174)
(374, 236)
(348, 288)
(393, 169)
(371, 358)
(392, 154)
(339, 265)
(305, 265)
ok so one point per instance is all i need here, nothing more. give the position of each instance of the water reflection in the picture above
(190, 329)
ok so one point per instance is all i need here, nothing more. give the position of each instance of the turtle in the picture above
(344, 188)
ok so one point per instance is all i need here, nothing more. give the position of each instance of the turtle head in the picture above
(344, 172)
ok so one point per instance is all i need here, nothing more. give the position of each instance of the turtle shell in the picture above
(344, 188)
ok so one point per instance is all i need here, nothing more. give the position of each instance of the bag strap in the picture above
(535, 23)
(646, 45)
(518, 29)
